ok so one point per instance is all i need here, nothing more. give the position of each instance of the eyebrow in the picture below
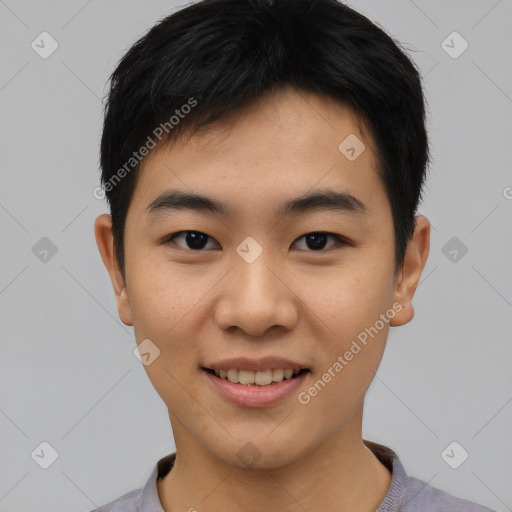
(327, 199)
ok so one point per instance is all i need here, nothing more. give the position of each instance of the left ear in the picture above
(410, 273)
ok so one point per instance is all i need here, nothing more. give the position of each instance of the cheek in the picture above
(165, 310)
(344, 374)
(350, 305)
(162, 294)
(350, 297)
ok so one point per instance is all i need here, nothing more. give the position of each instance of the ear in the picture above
(105, 243)
(410, 273)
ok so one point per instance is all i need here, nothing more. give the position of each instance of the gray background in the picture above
(68, 374)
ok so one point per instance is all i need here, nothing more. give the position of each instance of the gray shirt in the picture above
(405, 494)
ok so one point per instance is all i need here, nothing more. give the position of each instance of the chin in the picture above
(261, 453)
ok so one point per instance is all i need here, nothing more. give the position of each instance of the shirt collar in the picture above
(392, 502)
(149, 501)
(395, 497)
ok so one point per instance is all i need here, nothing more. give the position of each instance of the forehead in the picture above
(284, 144)
(282, 121)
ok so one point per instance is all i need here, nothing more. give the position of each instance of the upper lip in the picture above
(264, 363)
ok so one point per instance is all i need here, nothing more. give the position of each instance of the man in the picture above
(264, 161)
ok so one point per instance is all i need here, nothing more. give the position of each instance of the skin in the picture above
(293, 301)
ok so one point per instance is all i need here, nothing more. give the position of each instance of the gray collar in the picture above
(393, 501)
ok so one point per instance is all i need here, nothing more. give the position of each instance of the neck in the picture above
(341, 474)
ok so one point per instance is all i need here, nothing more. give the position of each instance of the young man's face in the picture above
(256, 287)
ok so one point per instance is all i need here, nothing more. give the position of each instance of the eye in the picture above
(194, 240)
(197, 241)
(317, 240)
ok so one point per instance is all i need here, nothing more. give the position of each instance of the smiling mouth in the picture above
(267, 377)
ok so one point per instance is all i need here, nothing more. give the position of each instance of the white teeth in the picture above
(245, 377)
(233, 376)
(277, 375)
(260, 378)
(263, 378)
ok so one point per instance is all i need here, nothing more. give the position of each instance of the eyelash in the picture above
(340, 241)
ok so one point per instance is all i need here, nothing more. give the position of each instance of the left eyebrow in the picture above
(326, 199)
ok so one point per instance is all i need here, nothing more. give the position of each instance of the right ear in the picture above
(105, 243)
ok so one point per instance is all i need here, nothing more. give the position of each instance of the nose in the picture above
(255, 297)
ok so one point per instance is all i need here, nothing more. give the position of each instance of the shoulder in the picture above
(409, 494)
(145, 498)
(126, 503)
(421, 496)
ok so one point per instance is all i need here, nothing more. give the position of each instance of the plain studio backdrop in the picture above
(69, 378)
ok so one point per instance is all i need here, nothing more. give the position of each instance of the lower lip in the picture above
(256, 396)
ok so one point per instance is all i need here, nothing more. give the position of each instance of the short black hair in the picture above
(214, 57)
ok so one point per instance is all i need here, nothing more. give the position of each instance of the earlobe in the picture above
(105, 243)
(123, 307)
(409, 276)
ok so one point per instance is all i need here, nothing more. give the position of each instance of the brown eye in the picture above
(192, 240)
(317, 240)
